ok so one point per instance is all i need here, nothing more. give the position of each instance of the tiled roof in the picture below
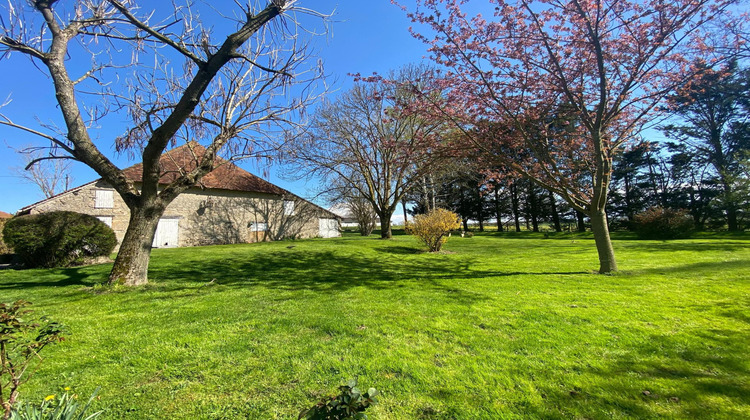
(4, 215)
(226, 176)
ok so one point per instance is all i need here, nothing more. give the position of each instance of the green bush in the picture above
(5, 250)
(349, 404)
(663, 223)
(58, 239)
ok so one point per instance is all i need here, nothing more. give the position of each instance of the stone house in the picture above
(229, 206)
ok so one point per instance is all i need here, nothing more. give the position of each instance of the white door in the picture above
(167, 233)
(328, 228)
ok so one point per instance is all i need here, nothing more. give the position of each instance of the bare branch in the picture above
(154, 32)
(22, 48)
(60, 143)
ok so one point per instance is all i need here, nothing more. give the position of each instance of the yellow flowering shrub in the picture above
(433, 228)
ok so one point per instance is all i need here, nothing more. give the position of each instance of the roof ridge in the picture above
(225, 176)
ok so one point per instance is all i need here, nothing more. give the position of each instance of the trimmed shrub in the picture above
(58, 239)
(433, 228)
(663, 223)
(5, 250)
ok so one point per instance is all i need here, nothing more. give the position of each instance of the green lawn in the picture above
(498, 326)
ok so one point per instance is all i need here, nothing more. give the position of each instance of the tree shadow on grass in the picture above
(330, 271)
(701, 267)
(315, 270)
(693, 374)
(62, 277)
(399, 250)
(674, 246)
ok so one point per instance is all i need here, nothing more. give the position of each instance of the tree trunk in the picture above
(599, 227)
(514, 202)
(433, 193)
(732, 224)
(131, 265)
(730, 208)
(385, 226)
(406, 216)
(555, 216)
(480, 206)
(534, 210)
(465, 221)
(498, 214)
(629, 211)
(581, 222)
(695, 210)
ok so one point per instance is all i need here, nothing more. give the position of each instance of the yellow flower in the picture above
(49, 397)
(67, 388)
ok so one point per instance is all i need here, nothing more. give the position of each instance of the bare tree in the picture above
(369, 141)
(340, 192)
(363, 212)
(174, 80)
(52, 176)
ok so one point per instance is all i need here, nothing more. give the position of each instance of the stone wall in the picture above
(205, 217)
(224, 217)
(83, 199)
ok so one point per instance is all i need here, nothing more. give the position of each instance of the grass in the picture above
(498, 326)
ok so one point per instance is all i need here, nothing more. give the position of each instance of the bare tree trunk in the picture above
(425, 195)
(403, 206)
(599, 227)
(385, 225)
(131, 265)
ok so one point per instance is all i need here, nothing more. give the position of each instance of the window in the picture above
(258, 227)
(288, 208)
(105, 199)
(106, 219)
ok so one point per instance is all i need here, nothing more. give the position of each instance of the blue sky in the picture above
(367, 36)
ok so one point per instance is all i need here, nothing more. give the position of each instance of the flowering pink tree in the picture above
(554, 90)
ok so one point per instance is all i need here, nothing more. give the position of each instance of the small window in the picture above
(105, 199)
(288, 208)
(106, 219)
(258, 227)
